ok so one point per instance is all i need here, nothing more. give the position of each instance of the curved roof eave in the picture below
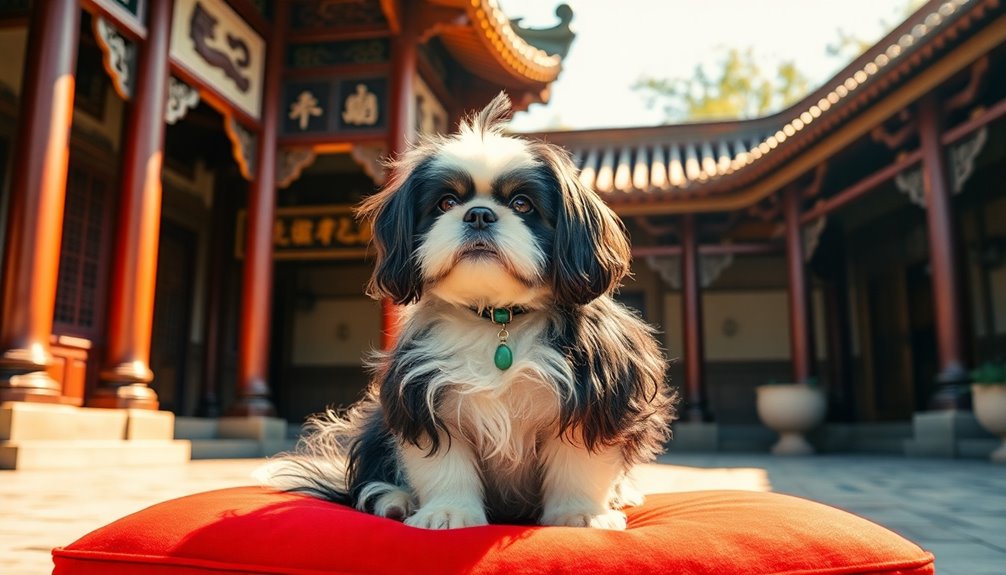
(706, 159)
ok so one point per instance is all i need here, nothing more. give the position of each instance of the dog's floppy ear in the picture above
(591, 252)
(392, 214)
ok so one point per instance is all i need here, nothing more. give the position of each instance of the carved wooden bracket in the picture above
(812, 236)
(976, 82)
(961, 157)
(711, 266)
(118, 57)
(896, 139)
(291, 163)
(370, 157)
(814, 188)
(181, 99)
(243, 147)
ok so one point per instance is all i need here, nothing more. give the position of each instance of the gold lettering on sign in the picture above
(301, 232)
(279, 236)
(312, 232)
(303, 108)
(202, 31)
(361, 107)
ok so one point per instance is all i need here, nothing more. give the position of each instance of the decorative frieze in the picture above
(710, 268)
(961, 163)
(371, 157)
(243, 146)
(291, 163)
(181, 99)
(118, 56)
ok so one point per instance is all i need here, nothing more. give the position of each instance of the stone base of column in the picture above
(131, 396)
(252, 406)
(953, 391)
(125, 387)
(948, 433)
(23, 378)
(40, 436)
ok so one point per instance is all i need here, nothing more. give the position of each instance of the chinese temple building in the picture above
(177, 181)
(856, 239)
(182, 275)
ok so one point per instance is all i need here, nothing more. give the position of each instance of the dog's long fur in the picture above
(444, 438)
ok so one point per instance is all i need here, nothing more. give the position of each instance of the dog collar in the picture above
(501, 316)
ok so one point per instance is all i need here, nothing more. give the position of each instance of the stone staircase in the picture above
(55, 436)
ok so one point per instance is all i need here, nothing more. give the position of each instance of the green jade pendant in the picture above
(504, 355)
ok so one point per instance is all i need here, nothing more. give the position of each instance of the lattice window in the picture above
(82, 261)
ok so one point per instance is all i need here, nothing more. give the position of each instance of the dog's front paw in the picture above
(448, 516)
(571, 517)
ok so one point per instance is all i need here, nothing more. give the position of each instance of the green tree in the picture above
(736, 87)
(848, 46)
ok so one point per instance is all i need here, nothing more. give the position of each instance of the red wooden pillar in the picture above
(691, 313)
(945, 269)
(256, 303)
(800, 337)
(35, 212)
(126, 371)
(401, 124)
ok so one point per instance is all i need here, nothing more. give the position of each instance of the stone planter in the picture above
(791, 410)
(989, 404)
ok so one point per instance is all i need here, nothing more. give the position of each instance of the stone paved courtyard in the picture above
(956, 509)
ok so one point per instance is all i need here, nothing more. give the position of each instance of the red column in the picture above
(801, 344)
(256, 303)
(35, 212)
(401, 124)
(691, 313)
(943, 260)
(126, 371)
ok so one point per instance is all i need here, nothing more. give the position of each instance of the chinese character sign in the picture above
(318, 232)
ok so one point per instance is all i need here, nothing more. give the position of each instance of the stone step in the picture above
(195, 428)
(252, 427)
(226, 449)
(23, 421)
(90, 453)
(977, 448)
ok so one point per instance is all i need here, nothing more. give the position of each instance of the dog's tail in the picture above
(318, 465)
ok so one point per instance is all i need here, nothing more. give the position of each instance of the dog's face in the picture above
(483, 219)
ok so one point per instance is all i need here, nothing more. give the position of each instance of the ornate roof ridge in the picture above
(697, 153)
(514, 52)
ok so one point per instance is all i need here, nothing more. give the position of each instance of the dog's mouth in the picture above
(479, 249)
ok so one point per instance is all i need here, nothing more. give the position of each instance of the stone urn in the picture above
(791, 409)
(989, 405)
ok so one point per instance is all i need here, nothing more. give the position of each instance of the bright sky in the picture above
(618, 41)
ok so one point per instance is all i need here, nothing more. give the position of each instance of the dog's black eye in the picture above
(448, 203)
(521, 204)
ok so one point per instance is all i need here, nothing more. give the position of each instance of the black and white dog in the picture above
(519, 391)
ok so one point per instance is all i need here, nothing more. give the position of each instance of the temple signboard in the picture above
(340, 106)
(216, 46)
(313, 232)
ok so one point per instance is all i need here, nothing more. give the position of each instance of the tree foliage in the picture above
(735, 87)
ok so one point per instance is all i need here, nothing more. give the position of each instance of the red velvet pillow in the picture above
(254, 530)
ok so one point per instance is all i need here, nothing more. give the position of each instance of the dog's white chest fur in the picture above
(499, 412)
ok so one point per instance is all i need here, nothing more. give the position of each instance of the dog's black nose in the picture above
(480, 217)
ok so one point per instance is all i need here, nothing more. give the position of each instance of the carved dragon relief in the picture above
(202, 31)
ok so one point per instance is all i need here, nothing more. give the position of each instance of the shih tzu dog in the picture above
(518, 391)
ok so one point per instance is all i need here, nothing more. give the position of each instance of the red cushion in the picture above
(250, 529)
